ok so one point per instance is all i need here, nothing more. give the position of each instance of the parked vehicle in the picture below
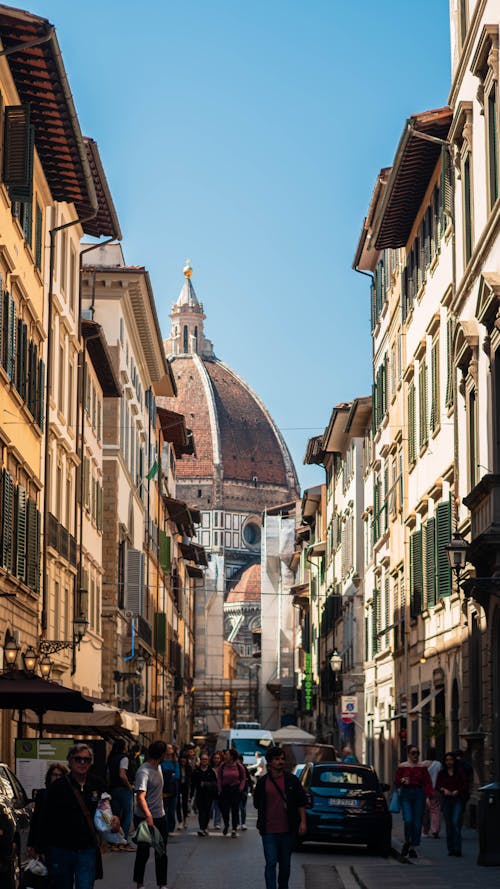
(247, 741)
(346, 804)
(298, 753)
(15, 816)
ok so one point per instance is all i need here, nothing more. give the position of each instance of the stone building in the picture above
(241, 467)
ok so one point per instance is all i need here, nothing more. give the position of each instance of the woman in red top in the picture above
(414, 784)
(452, 785)
(231, 780)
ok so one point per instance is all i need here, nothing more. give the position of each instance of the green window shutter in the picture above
(38, 236)
(373, 305)
(434, 419)
(160, 633)
(450, 333)
(134, 589)
(86, 482)
(443, 537)
(21, 533)
(32, 546)
(40, 406)
(446, 189)
(27, 222)
(375, 622)
(19, 143)
(7, 519)
(416, 570)
(387, 603)
(412, 451)
(165, 551)
(10, 336)
(430, 562)
(374, 407)
(376, 510)
(422, 404)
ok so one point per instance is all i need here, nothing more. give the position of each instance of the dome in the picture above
(241, 459)
(245, 586)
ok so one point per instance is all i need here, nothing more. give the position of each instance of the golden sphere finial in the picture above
(187, 270)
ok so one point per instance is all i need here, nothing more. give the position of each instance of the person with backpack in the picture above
(231, 780)
(120, 785)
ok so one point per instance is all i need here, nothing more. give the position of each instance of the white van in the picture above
(247, 741)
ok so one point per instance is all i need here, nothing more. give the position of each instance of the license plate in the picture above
(342, 801)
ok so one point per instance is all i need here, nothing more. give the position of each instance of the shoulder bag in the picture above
(88, 818)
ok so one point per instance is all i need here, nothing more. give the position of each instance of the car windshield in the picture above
(350, 777)
(250, 746)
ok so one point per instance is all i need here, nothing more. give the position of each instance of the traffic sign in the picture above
(349, 708)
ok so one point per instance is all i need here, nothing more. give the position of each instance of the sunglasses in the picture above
(83, 760)
(414, 752)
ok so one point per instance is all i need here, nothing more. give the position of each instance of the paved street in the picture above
(218, 862)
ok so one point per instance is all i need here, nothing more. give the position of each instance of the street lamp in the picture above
(45, 666)
(336, 661)
(10, 652)
(30, 658)
(51, 646)
(456, 550)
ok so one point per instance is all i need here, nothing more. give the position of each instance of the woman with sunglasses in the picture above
(66, 834)
(414, 783)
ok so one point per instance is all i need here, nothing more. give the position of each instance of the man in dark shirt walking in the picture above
(66, 834)
(281, 814)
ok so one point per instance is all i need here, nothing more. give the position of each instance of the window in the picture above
(416, 573)
(38, 236)
(492, 134)
(430, 562)
(443, 537)
(467, 207)
(422, 403)
(412, 450)
(73, 282)
(485, 68)
(472, 438)
(63, 260)
(61, 378)
(434, 420)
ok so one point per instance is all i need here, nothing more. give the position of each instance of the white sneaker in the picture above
(243, 827)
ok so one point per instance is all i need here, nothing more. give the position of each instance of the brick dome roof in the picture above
(245, 585)
(235, 437)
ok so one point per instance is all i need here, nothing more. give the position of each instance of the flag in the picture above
(153, 471)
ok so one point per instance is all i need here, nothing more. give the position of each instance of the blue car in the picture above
(346, 804)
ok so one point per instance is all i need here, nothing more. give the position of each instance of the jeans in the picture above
(452, 808)
(277, 852)
(412, 810)
(230, 801)
(66, 866)
(216, 813)
(121, 805)
(182, 803)
(142, 854)
(243, 807)
(170, 806)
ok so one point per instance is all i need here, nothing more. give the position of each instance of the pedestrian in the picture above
(244, 794)
(184, 793)
(415, 786)
(120, 787)
(231, 780)
(452, 785)
(431, 823)
(171, 776)
(216, 812)
(260, 765)
(55, 770)
(66, 835)
(204, 791)
(348, 755)
(149, 807)
(280, 801)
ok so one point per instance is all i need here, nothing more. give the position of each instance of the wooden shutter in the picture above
(86, 482)
(33, 546)
(160, 633)
(375, 621)
(435, 414)
(416, 568)
(21, 533)
(423, 404)
(165, 552)
(446, 189)
(40, 407)
(134, 583)
(7, 519)
(411, 424)
(19, 143)
(443, 537)
(38, 236)
(430, 562)
(10, 336)
(450, 333)
(22, 358)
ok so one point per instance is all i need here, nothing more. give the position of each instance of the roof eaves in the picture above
(106, 222)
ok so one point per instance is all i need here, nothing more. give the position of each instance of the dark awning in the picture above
(181, 515)
(174, 430)
(194, 572)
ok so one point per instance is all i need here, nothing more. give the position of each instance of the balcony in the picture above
(484, 504)
(144, 630)
(61, 540)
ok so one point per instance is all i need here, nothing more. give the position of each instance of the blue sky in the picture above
(247, 136)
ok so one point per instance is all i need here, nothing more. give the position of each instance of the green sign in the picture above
(308, 682)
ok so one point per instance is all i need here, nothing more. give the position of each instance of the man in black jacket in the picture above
(281, 814)
(66, 833)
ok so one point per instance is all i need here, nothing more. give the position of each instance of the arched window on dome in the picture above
(185, 339)
(196, 340)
